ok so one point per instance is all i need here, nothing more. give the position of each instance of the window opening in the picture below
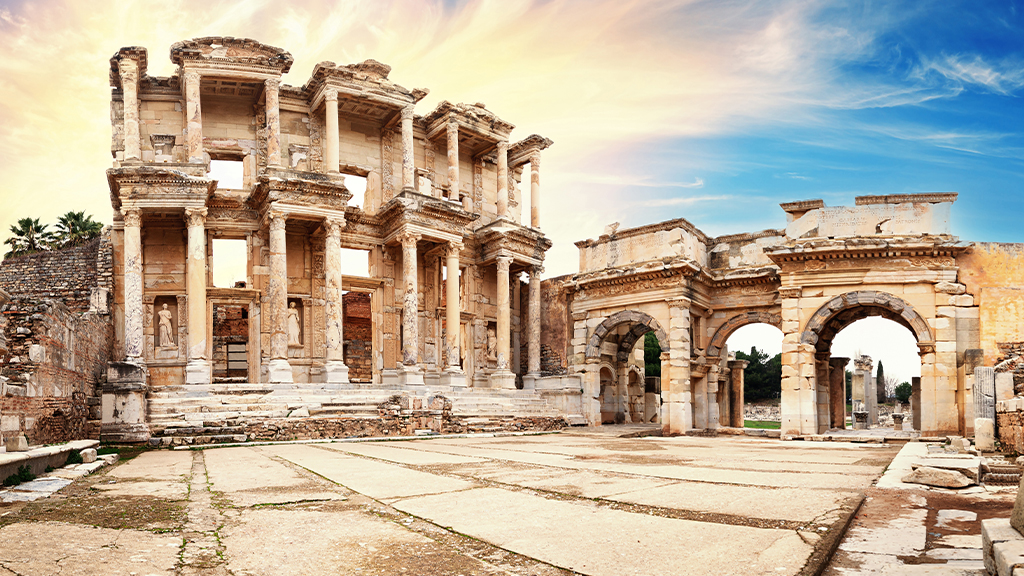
(227, 173)
(230, 263)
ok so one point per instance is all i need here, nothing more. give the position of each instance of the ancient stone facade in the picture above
(888, 256)
(70, 275)
(440, 224)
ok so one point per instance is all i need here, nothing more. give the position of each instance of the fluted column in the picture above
(133, 310)
(193, 118)
(408, 159)
(277, 300)
(337, 371)
(333, 136)
(410, 316)
(273, 109)
(837, 390)
(502, 199)
(533, 333)
(129, 70)
(453, 164)
(535, 190)
(199, 369)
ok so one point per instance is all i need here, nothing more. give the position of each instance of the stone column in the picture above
(199, 370)
(677, 401)
(133, 308)
(535, 190)
(821, 378)
(837, 390)
(714, 414)
(737, 397)
(410, 297)
(408, 158)
(277, 301)
(502, 197)
(273, 108)
(193, 118)
(337, 371)
(453, 317)
(862, 381)
(129, 70)
(503, 377)
(915, 402)
(453, 164)
(332, 142)
(533, 333)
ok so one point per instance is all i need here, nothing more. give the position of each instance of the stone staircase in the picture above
(218, 413)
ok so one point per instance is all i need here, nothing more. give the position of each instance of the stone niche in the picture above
(165, 350)
(296, 324)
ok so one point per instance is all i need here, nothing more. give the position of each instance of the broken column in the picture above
(984, 408)
(837, 390)
(915, 402)
(337, 371)
(736, 393)
(863, 381)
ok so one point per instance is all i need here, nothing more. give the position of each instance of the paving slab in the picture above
(402, 453)
(374, 479)
(47, 548)
(599, 541)
(158, 489)
(45, 484)
(156, 465)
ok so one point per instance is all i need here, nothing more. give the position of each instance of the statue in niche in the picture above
(492, 344)
(165, 328)
(294, 329)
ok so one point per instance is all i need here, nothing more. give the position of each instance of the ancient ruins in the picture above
(451, 328)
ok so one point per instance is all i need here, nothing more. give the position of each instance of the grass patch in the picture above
(762, 424)
(24, 475)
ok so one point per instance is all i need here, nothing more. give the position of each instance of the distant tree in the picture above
(75, 228)
(880, 383)
(762, 379)
(903, 392)
(652, 355)
(28, 236)
(849, 386)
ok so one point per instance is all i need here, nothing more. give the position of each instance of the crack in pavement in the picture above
(202, 549)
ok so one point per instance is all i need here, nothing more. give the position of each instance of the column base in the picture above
(530, 380)
(676, 418)
(389, 378)
(503, 379)
(455, 378)
(410, 375)
(280, 372)
(199, 372)
(123, 403)
(337, 372)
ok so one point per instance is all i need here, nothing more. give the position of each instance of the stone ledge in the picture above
(39, 458)
(1002, 547)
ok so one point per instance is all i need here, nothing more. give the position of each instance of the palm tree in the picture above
(74, 228)
(29, 236)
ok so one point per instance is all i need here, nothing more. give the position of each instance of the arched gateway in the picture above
(888, 256)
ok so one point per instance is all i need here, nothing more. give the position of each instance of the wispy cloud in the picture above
(681, 201)
(1003, 78)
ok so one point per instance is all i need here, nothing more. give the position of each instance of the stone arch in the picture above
(642, 324)
(731, 325)
(845, 309)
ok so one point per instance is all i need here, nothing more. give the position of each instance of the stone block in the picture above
(937, 477)
(88, 455)
(17, 443)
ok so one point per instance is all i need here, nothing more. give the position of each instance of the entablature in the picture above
(362, 90)
(861, 247)
(308, 190)
(424, 215)
(146, 185)
(232, 57)
(479, 128)
(506, 238)
(520, 152)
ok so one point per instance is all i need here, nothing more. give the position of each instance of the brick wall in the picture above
(68, 275)
(1011, 359)
(358, 334)
(556, 326)
(49, 377)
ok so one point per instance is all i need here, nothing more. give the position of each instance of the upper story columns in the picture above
(271, 101)
(333, 140)
(408, 156)
(193, 117)
(502, 198)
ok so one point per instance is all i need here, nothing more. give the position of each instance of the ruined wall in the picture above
(68, 275)
(50, 375)
(555, 336)
(358, 332)
(994, 275)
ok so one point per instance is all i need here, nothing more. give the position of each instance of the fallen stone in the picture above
(88, 455)
(985, 434)
(969, 466)
(937, 477)
(1017, 516)
(300, 413)
(17, 443)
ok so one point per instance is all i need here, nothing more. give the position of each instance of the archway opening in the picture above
(626, 344)
(754, 388)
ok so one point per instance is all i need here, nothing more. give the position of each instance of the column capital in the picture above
(272, 84)
(535, 160)
(277, 219)
(504, 262)
(502, 146)
(333, 226)
(132, 217)
(331, 95)
(128, 69)
(195, 217)
(680, 302)
(536, 271)
(191, 76)
(452, 127)
(407, 238)
(407, 112)
(453, 249)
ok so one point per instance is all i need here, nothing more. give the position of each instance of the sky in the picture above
(715, 110)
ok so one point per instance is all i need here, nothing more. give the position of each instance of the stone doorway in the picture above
(230, 343)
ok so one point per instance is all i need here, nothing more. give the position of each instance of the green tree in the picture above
(762, 378)
(880, 384)
(28, 236)
(652, 355)
(76, 228)
(903, 392)
(849, 386)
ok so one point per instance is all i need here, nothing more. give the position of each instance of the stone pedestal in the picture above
(124, 403)
(503, 379)
(897, 422)
(280, 372)
(410, 376)
(530, 381)
(199, 371)
(17, 443)
(985, 434)
(454, 378)
(337, 372)
(860, 420)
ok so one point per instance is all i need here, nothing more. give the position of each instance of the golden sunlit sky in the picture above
(715, 111)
